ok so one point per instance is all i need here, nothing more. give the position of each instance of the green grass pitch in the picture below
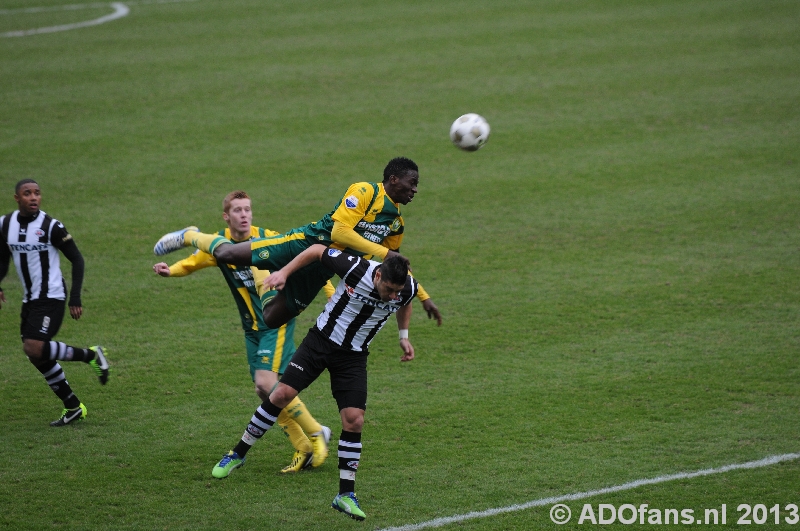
(618, 268)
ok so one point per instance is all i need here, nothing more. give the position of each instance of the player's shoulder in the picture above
(48, 220)
(261, 232)
(363, 189)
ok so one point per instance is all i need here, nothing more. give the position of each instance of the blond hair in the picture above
(237, 194)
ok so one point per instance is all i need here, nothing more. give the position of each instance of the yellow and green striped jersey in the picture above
(239, 278)
(369, 211)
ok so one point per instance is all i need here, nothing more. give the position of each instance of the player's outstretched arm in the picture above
(403, 320)
(277, 280)
(433, 311)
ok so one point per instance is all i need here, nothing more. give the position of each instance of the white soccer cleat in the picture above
(171, 242)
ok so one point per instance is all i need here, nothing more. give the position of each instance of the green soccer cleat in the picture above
(100, 364)
(300, 460)
(171, 242)
(320, 444)
(227, 464)
(70, 415)
(348, 504)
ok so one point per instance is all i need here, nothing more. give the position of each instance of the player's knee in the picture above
(262, 392)
(276, 316)
(352, 420)
(32, 349)
(282, 395)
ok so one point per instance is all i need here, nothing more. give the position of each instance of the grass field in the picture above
(618, 268)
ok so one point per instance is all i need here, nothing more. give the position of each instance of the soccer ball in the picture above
(469, 132)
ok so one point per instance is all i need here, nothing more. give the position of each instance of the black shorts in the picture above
(348, 369)
(41, 319)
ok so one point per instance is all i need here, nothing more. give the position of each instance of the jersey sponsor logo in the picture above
(386, 306)
(351, 201)
(298, 367)
(333, 253)
(67, 238)
(264, 254)
(383, 230)
(27, 247)
(39, 233)
(243, 274)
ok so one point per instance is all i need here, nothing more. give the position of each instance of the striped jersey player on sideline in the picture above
(368, 294)
(34, 239)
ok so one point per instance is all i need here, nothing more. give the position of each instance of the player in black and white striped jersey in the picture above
(368, 294)
(33, 239)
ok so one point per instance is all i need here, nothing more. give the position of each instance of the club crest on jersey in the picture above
(264, 254)
(351, 201)
(396, 225)
(39, 233)
(333, 253)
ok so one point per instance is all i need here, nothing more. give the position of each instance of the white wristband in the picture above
(404, 334)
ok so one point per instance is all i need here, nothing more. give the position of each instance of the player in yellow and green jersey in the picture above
(366, 222)
(268, 350)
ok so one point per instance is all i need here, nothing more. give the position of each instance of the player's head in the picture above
(28, 196)
(391, 277)
(238, 214)
(400, 179)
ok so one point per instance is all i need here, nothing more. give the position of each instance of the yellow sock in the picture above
(295, 433)
(297, 410)
(202, 241)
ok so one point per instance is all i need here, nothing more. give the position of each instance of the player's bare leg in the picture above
(276, 313)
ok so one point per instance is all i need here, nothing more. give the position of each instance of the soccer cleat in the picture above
(320, 444)
(70, 415)
(348, 504)
(171, 242)
(100, 364)
(300, 460)
(227, 464)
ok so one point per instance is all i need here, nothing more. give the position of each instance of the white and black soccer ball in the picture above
(470, 132)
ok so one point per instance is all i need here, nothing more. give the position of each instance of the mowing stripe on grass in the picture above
(438, 522)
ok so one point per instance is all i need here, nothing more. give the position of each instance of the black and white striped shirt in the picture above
(356, 312)
(34, 244)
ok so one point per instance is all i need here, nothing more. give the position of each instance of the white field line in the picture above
(120, 10)
(439, 522)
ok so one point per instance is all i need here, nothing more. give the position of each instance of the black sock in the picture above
(262, 420)
(56, 350)
(349, 457)
(57, 380)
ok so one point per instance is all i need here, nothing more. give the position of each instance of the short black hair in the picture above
(23, 182)
(395, 270)
(399, 166)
